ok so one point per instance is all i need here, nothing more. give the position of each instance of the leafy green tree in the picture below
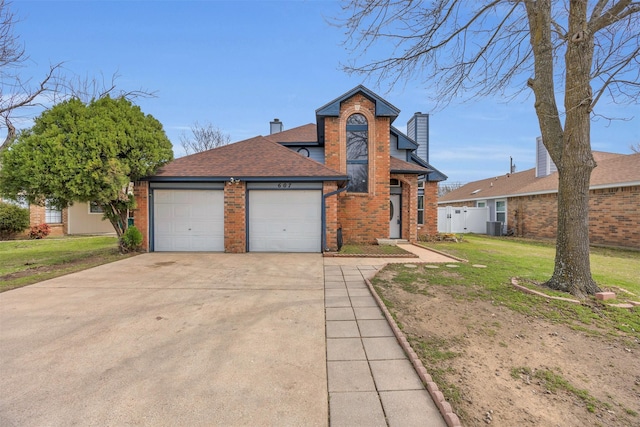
(78, 152)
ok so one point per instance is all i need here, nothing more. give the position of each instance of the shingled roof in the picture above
(400, 166)
(298, 135)
(612, 170)
(257, 157)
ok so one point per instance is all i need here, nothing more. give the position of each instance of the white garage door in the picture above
(188, 220)
(285, 221)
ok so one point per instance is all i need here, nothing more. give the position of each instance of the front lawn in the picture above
(25, 262)
(374, 250)
(505, 357)
(533, 260)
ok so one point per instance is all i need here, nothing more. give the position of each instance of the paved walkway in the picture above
(371, 382)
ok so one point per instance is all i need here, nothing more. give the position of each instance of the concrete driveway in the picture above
(168, 339)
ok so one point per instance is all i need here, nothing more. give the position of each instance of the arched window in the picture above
(358, 153)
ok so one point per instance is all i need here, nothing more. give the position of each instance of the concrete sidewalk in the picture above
(371, 381)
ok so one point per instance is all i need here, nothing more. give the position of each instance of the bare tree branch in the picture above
(203, 138)
(18, 92)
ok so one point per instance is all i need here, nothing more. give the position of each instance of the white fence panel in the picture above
(453, 219)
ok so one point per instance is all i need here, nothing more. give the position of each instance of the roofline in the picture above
(400, 135)
(419, 160)
(410, 171)
(301, 143)
(537, 193)
(385, 110)
(243, 178)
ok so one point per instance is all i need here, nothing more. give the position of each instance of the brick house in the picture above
(526, 202)
(80, 218)
(350, 177)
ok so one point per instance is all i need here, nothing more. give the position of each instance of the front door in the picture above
(394, 217)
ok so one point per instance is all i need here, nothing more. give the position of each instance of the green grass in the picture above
(554, 382)
(350, 249)
(531, 262)
(534, 259)
(433, 351)
(25, 262)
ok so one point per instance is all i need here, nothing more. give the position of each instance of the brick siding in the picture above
(614, 217)
(37, 216)
(235, 217)
(331, 216)
(362, 217)
(430, 226)
(141, 211)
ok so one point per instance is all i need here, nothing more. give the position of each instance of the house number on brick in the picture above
(284, 185)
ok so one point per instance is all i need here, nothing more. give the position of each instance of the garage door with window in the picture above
(285, 220)
(188, 220)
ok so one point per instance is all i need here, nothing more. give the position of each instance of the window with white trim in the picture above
(52, 215)
(420, 209)
(501, 211)
(481, 204)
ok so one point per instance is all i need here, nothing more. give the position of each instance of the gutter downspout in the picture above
(324, 215)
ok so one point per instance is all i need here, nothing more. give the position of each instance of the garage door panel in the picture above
(188, 220)
(285, 221)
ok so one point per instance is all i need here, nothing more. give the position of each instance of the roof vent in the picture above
(276, 126)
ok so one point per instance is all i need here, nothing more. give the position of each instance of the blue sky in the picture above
(239, 64)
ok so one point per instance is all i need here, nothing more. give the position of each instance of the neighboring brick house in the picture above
(526, 202)
(351, 177)
(80, 218)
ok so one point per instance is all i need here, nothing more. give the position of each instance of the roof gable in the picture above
(257, 157)
(383, 108)
(404, 142)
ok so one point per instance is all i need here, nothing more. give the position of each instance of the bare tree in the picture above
(16, 92)
(635, 147)
(203, 138)
(579, 50)
(448, 187)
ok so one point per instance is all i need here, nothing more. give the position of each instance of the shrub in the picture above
(13, 220)
(131, 240)
(39, 231)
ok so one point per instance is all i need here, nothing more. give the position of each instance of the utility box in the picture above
(494, 228)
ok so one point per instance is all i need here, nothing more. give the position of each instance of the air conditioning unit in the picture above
(494, 228)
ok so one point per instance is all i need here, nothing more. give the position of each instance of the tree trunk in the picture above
(572, 270)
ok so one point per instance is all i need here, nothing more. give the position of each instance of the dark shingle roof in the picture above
(400, 166)
(257, 157)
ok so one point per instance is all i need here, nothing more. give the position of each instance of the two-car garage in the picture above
(280, 217)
